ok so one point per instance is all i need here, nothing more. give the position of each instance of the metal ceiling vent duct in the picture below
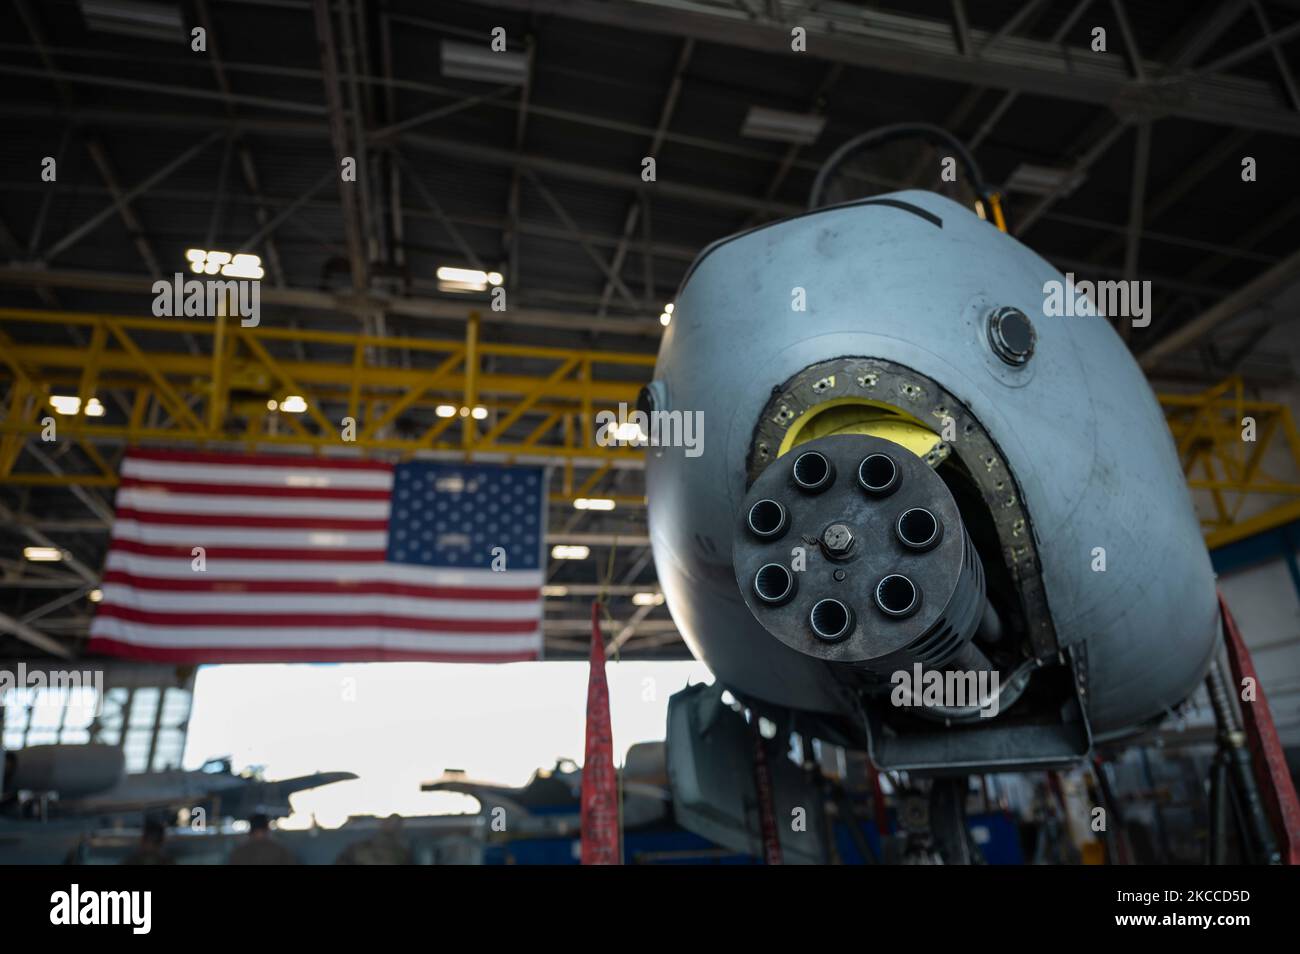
(474, 62)
(780, 126)
(149, 21)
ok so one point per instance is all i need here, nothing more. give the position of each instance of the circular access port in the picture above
(896, 595)
(831, 620)
(773, 584)
(1011, 335)
(878, 474)
(767, 518)
(645, 399)
(812, 472)
(918, 528)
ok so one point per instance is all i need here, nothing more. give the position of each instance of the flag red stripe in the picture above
(324, 554)
(269, 621)
(339, 587)
(257, 654)
(256, 490)
(265, 523)
(259, 460)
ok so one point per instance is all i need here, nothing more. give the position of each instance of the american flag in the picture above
(322, 560)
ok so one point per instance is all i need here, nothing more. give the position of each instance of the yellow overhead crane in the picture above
(219, 396)
(230, 393)
(1243, 456)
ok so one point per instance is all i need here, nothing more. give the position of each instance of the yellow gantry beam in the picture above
(1242, 455)
(219, 393)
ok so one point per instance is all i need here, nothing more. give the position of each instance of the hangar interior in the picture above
(573, 175)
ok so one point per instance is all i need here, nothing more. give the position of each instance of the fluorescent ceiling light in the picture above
(43, 554)
(215, 262)
(244, 266)
(478, 412)
(70, 404)
(453, 279)
(474, 61)
(236, 265)
(593, 503)
(780, 126)
(460, 287)
(470, 276)
(294, 404)
(1043, 180)
(629, 432)
(563, 551)
(65, 403)
(152, 21)
(555, 591)
(647, 599)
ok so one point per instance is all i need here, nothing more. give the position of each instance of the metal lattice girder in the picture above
(1210, 430)
(545, 413)
(540, 402)
(315, 299)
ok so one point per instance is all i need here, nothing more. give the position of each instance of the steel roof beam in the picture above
(246, 167)
(1265, 286)
(1284, 70)
(510, 234)
(921, 46)
(656, 142)
(33, 637)
(134, 227)
(562, 214)
(414, 307)
(1136, 207)
(121, 198)
(470, 152)
(339, 139)
(1207, 31)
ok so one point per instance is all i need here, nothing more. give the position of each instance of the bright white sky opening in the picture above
(399, 724)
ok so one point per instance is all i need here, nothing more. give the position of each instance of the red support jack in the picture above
(1276, 788)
